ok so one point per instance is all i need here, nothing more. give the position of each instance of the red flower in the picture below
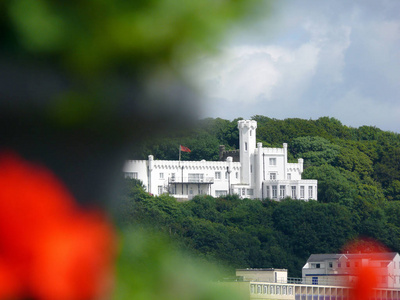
(365, 283)
(49, 248)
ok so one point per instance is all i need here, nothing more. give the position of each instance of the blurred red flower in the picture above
(49, 247)
(366, 275)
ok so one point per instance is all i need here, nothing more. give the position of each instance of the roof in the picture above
(371, 256)
(323, 257)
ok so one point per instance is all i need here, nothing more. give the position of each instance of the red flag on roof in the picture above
(185, 149)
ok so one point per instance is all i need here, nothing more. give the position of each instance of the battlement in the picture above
(247, 123)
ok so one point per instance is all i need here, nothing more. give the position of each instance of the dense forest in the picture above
(358, 172)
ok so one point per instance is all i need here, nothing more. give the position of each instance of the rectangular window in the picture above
(217, 175)
(314, 280)
(310, 192)
(272, 176)
(274, 192)
(226, 175)
(339, 265)
(250, 192)
(289, 176)
(243, 191)
(161, 175)
(268, 192)
(172, 177)
(272, 161)
(294, 192)
(330, 265)
(245, 146)
(160, 189)
(282, 191)
(131, 175)
(302, 191)
(237, 175)
(220, 193)
(195, 177)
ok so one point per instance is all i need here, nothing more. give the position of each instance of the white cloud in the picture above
(339, 59)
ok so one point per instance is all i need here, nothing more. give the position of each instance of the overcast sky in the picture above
(309, 59)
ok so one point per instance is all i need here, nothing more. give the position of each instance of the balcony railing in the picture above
(205, 180)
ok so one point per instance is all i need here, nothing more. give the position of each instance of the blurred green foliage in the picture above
(150, 267)
(97, 37)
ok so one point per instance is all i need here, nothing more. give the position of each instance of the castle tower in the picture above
(247, 146)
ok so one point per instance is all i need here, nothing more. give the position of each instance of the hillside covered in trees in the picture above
(358, 172)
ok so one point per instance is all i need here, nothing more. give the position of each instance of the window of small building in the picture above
(282, 191)
(217, 175)
(272, 176)
(237, 175)
(272, 161)
(274, 191)
(289, 176)
(294, 192)
(330, 265)
(161, 175)
(250, 192)
(302, 191)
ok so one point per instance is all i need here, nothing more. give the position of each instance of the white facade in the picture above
(264, 275)
(261, 173)
(339, 269)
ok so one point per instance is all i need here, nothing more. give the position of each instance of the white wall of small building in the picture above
(387, 271)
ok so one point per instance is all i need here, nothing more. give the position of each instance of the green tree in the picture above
(315, 150)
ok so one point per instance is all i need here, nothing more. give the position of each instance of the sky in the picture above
(308, 59)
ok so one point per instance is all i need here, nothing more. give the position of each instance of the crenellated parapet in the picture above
(250, 124)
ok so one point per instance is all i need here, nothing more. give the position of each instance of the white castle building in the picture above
(260, 173)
